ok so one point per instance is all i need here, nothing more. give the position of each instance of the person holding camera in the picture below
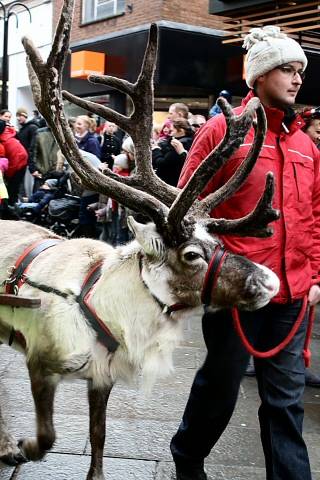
(168, 156)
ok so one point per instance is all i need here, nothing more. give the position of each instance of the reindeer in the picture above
(142, 290)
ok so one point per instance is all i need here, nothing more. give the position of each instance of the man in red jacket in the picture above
(274, 73)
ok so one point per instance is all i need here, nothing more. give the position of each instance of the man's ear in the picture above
(148, 237)
(258, 81)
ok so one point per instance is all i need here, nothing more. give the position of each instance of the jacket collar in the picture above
(279, 121)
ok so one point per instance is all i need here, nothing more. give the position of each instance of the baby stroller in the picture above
(63, 215)
(36, 209)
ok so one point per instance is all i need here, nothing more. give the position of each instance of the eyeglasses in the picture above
(290, 71)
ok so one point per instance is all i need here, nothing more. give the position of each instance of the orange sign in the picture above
(86, 63)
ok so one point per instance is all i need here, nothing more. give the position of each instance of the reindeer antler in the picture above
(138, 125)
(46, 81)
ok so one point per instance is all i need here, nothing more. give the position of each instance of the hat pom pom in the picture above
(260, 34)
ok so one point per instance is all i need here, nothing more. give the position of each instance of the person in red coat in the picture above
(17, 157)
(274, 73)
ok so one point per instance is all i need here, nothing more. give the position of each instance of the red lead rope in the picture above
(286, 341)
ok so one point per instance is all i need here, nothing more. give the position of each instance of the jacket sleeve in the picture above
(205, 141)
(32, 135)
(315, 257)
(33, 152)
(93, 146)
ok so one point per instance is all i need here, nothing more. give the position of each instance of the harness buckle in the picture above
(11, 278)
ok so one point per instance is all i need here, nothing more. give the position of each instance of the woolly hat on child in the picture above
(128, 146)
(121, 161)
(269, 48)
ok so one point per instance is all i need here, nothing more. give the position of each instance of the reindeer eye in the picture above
(191, 256)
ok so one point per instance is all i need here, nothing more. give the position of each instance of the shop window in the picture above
(93, 10)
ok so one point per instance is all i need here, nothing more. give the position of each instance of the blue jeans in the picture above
(280, 381)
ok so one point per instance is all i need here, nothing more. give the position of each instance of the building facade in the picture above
(192, 64)
(40, 30)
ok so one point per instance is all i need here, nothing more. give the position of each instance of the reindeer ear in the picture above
(148, 237)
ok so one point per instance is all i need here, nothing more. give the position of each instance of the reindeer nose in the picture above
(272, 283)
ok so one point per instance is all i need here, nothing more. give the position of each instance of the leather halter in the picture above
(166, 309)
(17, 279)
(212, 274)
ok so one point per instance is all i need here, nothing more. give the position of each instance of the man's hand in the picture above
(314, 295)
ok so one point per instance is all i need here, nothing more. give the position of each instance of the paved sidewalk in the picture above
(139, 429)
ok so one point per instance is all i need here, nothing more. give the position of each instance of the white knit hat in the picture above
(128, 146)
(269, 48)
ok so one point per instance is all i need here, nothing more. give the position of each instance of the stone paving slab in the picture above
(125, 401)
(73, 467)
(217, 472)
(166, 470)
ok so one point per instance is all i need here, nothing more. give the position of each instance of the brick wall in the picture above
(190, 12)
(144, 11)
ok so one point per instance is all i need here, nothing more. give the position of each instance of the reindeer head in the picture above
(179, 243)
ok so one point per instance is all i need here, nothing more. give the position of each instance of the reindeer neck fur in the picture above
(147, 336)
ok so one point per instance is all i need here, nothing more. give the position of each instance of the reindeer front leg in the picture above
(43, 391)
(9, 450)
(98, 399)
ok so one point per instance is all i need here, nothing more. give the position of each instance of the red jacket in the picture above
(293, 252)
(15, 151)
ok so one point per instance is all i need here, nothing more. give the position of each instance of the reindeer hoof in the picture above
(30, 449)
(10, 454)
(95, 476)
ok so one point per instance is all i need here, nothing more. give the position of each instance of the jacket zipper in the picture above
(283, 238)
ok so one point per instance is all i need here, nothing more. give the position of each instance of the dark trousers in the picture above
(87, 218)
(13, 185)
(280, 381)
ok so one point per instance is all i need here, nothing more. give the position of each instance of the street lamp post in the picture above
(7, 13)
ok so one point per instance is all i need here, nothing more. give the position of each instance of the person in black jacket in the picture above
(168, 156)
(26, 135)
(27, 130)
(110, 145)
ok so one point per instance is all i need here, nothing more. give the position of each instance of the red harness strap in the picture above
(212, 274)
(17, 277)
(24, 261)
(104, 335)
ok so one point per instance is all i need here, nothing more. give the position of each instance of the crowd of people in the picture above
(33, 170)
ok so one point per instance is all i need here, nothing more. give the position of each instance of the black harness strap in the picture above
(104, 334)
(46, 288)
(166, 309)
